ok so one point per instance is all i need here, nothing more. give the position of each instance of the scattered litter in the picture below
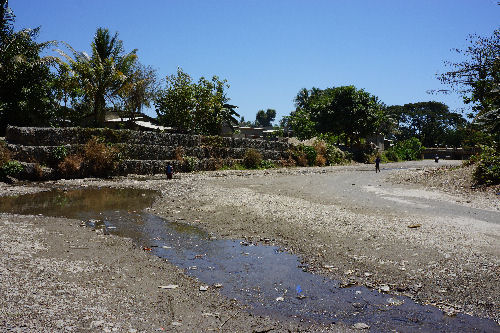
(361, 326)
(146, 248)
(450, 312)
(218, 285)
(414, 226)
(280, 299)
(394, 301)
(176, 323)
(169, 286)
(203, 288)
(349, 272)
(385, 288)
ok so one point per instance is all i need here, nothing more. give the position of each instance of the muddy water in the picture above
(271, 282)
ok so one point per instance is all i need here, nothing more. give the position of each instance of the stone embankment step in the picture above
(140, 152)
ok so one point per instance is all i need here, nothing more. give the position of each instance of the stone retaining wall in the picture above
(141, 152)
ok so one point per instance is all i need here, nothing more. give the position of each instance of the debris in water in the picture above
(280, 299)
(395, 302)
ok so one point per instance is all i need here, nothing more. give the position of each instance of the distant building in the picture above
(139, 121)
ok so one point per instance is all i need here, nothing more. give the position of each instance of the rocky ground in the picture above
(416, 231)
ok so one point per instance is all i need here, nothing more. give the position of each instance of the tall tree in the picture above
(26, 97)
(140, 91)
(265, 118)
(346, 110)
(476, 77)
(196, 107)
(431, 122)
(102, 77)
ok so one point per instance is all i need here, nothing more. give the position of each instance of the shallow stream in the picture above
(270, 281)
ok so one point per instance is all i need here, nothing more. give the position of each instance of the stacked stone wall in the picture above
(142, 152)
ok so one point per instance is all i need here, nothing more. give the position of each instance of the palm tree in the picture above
(102, 76)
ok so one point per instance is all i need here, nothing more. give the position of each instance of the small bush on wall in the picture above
(252, 159)
(96, 159)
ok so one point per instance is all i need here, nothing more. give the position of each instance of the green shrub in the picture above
(310, 154)
(390, 155)
(60, 153)
(11, 168)
(252, 159)
(190, 163)
(334, 155)
(408, 150)
(487, 167)
(266, 164)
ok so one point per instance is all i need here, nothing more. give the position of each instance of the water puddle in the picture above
(271, 282)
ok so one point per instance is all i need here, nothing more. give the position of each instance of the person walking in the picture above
(377, 164)
(170, 170)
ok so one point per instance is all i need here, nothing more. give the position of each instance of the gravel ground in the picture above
(406, 228)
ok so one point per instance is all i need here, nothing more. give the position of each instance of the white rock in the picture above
(169, 286)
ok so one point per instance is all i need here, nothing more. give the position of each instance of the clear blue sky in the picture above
(269, 49)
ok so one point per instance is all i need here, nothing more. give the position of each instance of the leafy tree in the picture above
(302, 125)
(244, 123)
(265, 118)
(200, 107)
(477, 77)
(103, 78)
(431, 122)
(26, 97)
(139, 91)
(346, 110)
(408, 150)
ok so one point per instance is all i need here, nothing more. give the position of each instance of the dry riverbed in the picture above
(423, 240)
